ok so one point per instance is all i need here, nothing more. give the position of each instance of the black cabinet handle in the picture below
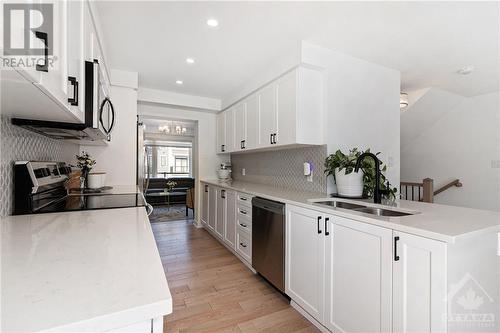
(223, 194)
(74, 83)
(244, 245)
(271, 138)
(43, 36)
(243, 225)
(326, 226)
(223, 148)
(243, 144)
(396, 257)
(206, 188)
(243, 198)
(319, 220)
(274, 138)
(244, 212)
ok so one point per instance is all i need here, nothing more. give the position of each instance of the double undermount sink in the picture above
(363, 209)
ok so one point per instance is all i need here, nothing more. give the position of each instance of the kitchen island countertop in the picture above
(92, 270)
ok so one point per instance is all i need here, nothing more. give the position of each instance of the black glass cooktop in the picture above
(88, 202)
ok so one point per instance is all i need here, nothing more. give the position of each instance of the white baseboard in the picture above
(309, 317)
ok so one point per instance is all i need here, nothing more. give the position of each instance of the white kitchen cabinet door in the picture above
(76, 57)
(220, 219)
(205, 205)
(212, 207)
(267, 115)
(240, 126)
(286, 107)
(358, 281)
(419, 284)
(230, 130)
(252, 123)
(305, 253)
(230, 219)
(221, 132)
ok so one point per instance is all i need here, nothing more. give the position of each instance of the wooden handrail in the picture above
(411, 184)
(456, 183)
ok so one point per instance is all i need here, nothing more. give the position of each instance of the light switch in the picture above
(243, 172)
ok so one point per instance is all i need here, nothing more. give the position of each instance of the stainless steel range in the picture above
(39, 187)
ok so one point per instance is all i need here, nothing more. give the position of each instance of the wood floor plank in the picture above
(213, 291)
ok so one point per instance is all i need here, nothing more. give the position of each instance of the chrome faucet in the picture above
(377, 192)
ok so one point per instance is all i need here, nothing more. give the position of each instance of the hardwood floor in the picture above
(213, 291)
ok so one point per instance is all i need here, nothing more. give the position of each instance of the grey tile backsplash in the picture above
(282, 168)
(17, 144)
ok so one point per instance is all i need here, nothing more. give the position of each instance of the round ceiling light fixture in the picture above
(179, 82)
(190, 61)
(466, 70)
(212, 23)
(403, 100)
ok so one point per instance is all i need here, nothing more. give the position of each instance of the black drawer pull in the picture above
(319, 219)
(73, 101)
(243, 225)
(326, 226)
(43, 36)
(243, 198)
(396, 257)
(244, 245)
(206, 188)
(244, 212)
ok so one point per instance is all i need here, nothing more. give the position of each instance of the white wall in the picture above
(118, 158)
(362, 105)
(464, 143)
(206, 161)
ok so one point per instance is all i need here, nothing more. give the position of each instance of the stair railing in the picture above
(424, 191)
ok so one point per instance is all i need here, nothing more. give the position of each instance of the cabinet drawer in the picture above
(245, 199)
(244, 224)
(244, 245)
(244, 211)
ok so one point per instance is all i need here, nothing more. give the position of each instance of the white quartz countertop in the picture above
(80, 271)
(440, 222)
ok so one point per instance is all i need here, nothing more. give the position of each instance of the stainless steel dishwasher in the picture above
(268, 240)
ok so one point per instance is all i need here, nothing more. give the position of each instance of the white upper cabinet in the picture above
(286, 112)
(76, 57)
(252, 121)
(229, 147)
(420, 283)
(240, 126)
(60, 77)
(221, 132)
(267, 115)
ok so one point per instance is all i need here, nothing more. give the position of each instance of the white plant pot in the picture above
(350, 185)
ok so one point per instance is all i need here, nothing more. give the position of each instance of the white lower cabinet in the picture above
(358, 276)
(204, 205)
(220, 219)
(304, 259)
(227, 215)
(230, 219)
(352, 276)
(419, 286)
(212, 207)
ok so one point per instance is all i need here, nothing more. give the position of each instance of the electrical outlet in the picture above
(310, 177)
(243, 172)
(495, 164)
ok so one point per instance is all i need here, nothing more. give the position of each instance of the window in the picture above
(181, 164)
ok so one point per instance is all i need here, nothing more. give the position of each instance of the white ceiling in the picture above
(427, 41)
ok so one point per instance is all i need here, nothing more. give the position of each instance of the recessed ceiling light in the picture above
(212, 23)
(466, 70)
(190, 60)
(179, 82)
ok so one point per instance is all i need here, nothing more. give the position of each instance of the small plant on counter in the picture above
(85, 163)
(170, 185)
(338, 162)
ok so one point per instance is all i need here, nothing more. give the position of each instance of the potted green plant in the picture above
(356, 184)
(85, 162)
